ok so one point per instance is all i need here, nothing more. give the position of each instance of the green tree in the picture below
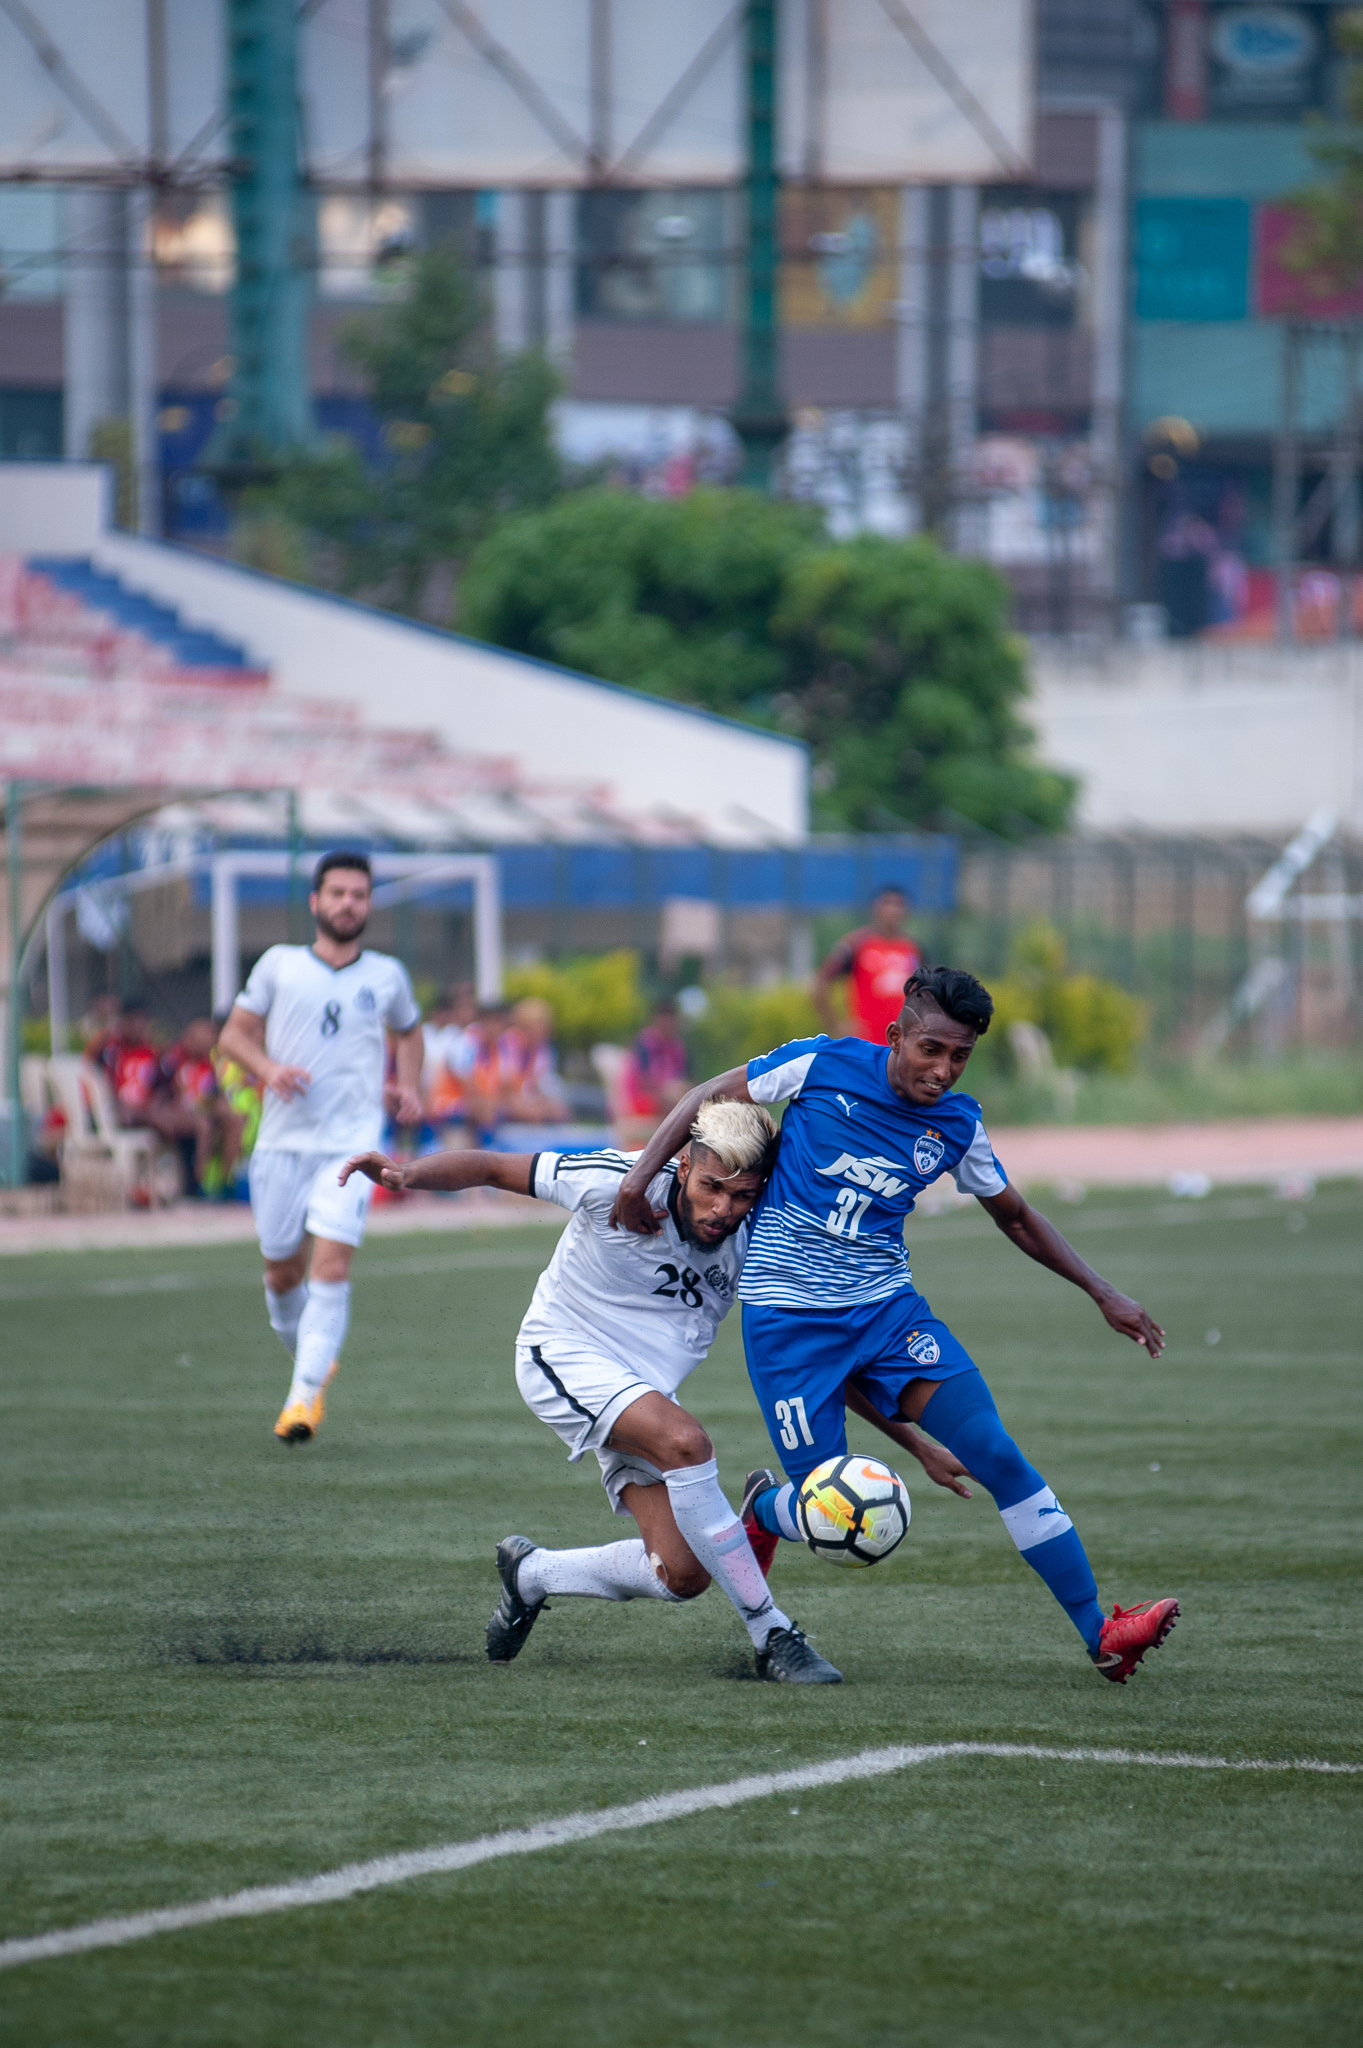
(1092, 1024)
(907, 684)
(597, 996)
(467, 436)
(674, 597)
(892, 660)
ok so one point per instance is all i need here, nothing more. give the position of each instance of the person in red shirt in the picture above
(877, 960)
(136, 1068)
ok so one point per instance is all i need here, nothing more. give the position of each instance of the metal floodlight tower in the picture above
(759, 418)
(268, 315)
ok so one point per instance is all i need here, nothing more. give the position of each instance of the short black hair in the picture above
(957, 995)
(890, 889)
(341, 859)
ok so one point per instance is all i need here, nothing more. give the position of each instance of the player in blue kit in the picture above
(830, 1311)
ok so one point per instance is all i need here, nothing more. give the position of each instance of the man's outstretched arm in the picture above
(1032, 1233)
(446, 1170)
(631, 1209)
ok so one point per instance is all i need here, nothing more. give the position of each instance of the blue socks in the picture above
(962, 1415)
(775, 1512)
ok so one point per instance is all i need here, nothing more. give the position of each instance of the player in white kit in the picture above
(616, 1324)
(313, 1024)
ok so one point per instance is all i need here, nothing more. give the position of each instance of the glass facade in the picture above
(1030, 272)
(659, 255)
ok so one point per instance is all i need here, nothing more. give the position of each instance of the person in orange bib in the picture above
(876, 961)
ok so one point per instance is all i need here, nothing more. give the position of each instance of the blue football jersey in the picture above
(854, 1157)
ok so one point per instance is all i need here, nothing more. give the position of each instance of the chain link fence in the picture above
(1167, 919)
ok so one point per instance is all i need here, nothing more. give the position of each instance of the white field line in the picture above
(353, 1878)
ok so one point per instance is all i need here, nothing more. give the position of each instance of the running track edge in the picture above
(353, 1878)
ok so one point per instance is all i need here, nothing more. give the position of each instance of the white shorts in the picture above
(582, 1394)
(298, 1193)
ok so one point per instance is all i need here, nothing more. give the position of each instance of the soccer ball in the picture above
(853, 1510)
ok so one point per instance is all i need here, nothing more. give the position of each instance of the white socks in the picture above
(624, 1571)
(612, 1571)
(321, 1333)
(718, 1542)
(783, 1507)
(284, 1311)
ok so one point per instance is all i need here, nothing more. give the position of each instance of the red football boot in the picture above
(1129, 1632)
(763, 1543)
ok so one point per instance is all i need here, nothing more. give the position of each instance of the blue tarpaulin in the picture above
(821, 875)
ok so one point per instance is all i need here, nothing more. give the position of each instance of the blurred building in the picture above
(1241, 367)
(1078, 374)
(951, 355)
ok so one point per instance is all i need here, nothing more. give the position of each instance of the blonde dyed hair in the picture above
(741, 1135)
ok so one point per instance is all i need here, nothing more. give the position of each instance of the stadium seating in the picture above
(64, 602)
(156, 622)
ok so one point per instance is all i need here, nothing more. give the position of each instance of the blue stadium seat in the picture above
(191, 646)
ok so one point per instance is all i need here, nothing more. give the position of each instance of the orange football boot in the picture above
(300, 1420)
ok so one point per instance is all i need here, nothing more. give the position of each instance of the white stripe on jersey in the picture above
(977, 1171)
(653, 1303)
(794, 1262)
(783, 1083)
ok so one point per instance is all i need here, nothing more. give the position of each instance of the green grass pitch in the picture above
(226, 1663)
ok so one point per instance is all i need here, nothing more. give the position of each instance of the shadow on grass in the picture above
(234, 1649)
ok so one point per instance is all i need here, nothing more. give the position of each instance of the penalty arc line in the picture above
(353, 1878)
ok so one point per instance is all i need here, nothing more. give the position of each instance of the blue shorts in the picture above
(800, 1359)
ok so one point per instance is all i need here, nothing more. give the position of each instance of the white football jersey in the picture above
(332, 1021)
(653, 1303)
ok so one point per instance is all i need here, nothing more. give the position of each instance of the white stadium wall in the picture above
(740, 785)
(53, 508)
(1188, 737)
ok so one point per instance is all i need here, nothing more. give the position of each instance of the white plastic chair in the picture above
(34, 1083)
(93, 1132)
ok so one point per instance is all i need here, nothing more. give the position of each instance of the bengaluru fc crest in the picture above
(928, 1153)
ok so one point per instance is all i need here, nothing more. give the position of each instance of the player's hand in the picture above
(287, 1082)
(403, 1104)
(632, 1210)
(376, 1166)
(1129, 1319)
(942, 1467)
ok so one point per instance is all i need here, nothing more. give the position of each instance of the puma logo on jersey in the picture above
(848, 1106)
(876, 1174)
